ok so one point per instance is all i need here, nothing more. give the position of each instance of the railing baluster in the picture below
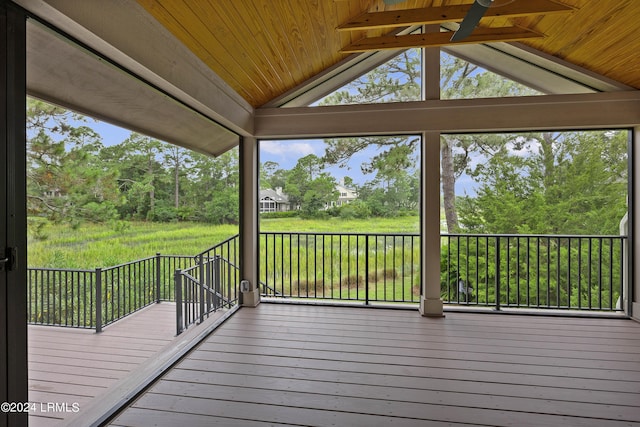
(579, 272)
(498, 273)
(611, 274)
(623, 292)
(216, 279)
(322, 268)
(178, 295)
(528, 272)
(98, 299)
(569, 272)
(203, 280)
(366, 270)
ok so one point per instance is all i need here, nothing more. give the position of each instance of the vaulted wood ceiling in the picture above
(263, 48)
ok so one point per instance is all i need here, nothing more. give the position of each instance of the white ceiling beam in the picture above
(583, 111)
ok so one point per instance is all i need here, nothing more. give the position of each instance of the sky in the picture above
(286, 154)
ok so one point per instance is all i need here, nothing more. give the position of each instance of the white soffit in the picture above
(533, 68)
(331, 79)
(61, 72)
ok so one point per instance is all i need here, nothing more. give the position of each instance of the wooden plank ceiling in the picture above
(263, 48)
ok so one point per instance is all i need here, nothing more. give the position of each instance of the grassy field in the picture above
(102, 245)
(407, 224)
(98, 245)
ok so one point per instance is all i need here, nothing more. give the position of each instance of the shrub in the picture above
(286, 214)
(163, 214)
(351, 281)
(99, 212)
(389, 273)
(36, 227)
(120, 226)
(355, 210)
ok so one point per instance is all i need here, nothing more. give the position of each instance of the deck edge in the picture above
(108, 405)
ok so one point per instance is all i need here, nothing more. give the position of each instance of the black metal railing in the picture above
(166, 266)
(209, 285)
(95, 298)
(62, 297)
(344, 266)
(197, 295)
(533, 271)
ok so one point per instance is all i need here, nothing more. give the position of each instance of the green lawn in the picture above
(100, 245)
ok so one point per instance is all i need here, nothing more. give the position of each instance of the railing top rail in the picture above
(187, 275)
(333, 233)
(70, 270)
(186, 271)
(113, 267)
(221, 258)
(124, 264)
(545, 236)
(225, 241)
(557, 236)
(175, 256)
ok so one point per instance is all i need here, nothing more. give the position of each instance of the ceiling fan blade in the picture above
(470, 21)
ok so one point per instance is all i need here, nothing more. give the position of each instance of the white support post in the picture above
(632, 305)
(249, 226)
(430, 302)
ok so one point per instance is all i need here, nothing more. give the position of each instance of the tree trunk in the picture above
(152, 191)
(177, 182)
(448, 185)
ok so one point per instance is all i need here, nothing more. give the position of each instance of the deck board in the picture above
(68, 365)
(322, 366)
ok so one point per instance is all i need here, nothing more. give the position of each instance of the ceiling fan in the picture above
(470, 21)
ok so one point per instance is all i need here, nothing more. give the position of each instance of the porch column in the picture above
(430, 302)
(633, 301)
(249, 231)
(13, 215)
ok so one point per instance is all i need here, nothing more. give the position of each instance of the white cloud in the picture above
(287, 149)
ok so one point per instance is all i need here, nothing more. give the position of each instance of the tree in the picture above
(140, 173)
(399, 80)
(460, 79)
(66, 182)
(175, 158)
(72, 176)
(267, 171)
(569, 183)
(213, 188)
(319, 194)
(299, 178)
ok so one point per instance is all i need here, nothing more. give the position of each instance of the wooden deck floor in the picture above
(333, 366)
(68, 366)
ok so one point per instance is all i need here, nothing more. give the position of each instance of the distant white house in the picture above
(274, 200)
(277, 201)
(346, 195)
(53, 193)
